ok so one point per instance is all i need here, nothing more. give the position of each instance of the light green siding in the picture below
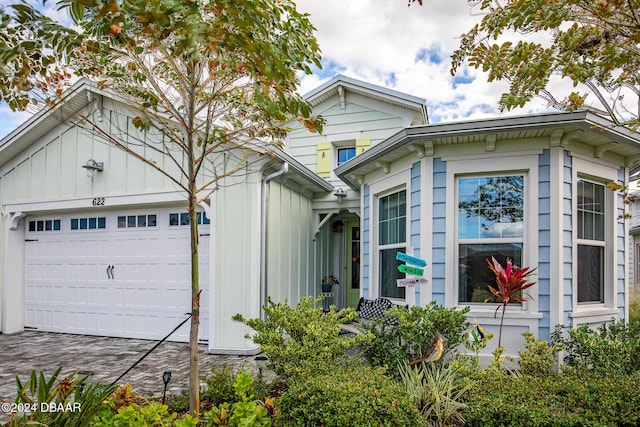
(357, 121)
(290, 246)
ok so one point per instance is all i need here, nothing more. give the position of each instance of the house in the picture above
(95, 242)
(532, 189)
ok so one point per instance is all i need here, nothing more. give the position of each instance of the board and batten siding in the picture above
(366, 241)
(567, 238)
(544, 244)
(290, 273)
(439, 238)
(416, 215)
(621, 235)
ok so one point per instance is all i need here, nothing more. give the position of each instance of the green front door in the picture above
(353, 263)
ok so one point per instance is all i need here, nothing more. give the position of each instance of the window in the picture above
(137, 221)
(183, 218)
(591, 241)
(392, 237)
(44, 225)
(345, 154)
(490, 222)
(92, 223)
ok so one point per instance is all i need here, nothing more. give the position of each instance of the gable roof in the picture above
(561, 128)
(84, 92)
(340, 84)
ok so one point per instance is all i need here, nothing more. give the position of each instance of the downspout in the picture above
(263, 234)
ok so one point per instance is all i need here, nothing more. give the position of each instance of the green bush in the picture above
(245, 411)
(437, 390)
(153, 414)
(412, 336)
(350, 394)
(502, 399)
(540, 357)
(302, 339)
(219, 387)
(75, 401)
(614, 348)
(634, 309)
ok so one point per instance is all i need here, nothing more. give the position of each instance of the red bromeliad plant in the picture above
(511, 284)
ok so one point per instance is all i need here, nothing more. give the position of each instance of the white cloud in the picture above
(408, 49)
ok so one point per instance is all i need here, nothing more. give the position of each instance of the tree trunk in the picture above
(194, 380)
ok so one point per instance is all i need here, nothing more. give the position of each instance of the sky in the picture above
(387, 43)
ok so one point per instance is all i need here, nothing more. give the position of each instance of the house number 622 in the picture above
(98, 201)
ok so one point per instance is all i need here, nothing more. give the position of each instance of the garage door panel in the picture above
(70, 286)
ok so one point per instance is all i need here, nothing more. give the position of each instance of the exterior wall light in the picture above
(92, 167)
(340, 194)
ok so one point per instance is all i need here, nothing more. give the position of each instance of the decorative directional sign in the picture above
(412, 281)
(410, 270)
(402, 257)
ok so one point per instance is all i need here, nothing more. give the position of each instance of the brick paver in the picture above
(107, 358)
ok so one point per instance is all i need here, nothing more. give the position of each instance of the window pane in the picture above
(205, 219)
(151, 221)
(102, 222)
(474, 274)
(591, 199)
(184, 218)
(131, 221)
(92, 223)
(32, 226)
(590, 273)
(490, 207)
(345, 154)
(389, 273)
(393, 217)
(74, 224)
(56, 224)
(122, 222)
(142, 220)
(173, 219)
(48, 225)
(83, 223)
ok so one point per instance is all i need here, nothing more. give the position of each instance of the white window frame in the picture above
(337, 145)
(385, 186)
(487, 240)
(526, 163)
(600, 173)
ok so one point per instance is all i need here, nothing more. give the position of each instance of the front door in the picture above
(353, 263)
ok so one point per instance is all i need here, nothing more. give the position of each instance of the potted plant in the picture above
(328, 282)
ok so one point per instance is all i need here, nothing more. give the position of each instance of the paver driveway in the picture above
(107, 358)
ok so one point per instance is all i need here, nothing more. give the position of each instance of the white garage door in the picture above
(122, 274)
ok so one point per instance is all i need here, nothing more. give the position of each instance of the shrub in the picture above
(245, 411)
(152, 414)
(540, 357)
(79, 399)
(614, 348)
(415, 329)
(219, 386)
(302, 339)
(351, 394)
(634, 309)
(437, 390)
(501, 399)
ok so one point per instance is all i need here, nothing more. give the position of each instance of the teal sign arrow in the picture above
(410, 270)
(402, 257)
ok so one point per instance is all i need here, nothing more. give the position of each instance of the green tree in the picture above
(529, 43)
(213, 81)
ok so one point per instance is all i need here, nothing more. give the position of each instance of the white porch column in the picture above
(13, 274)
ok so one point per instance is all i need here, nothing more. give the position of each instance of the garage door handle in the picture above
(110, 274)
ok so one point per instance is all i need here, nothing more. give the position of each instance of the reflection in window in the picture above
(490, 223)
(44, 225)
(91, 223)
(392, 237)
(346, 154)
(136, 221)
(591, 242)
(183, 218)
